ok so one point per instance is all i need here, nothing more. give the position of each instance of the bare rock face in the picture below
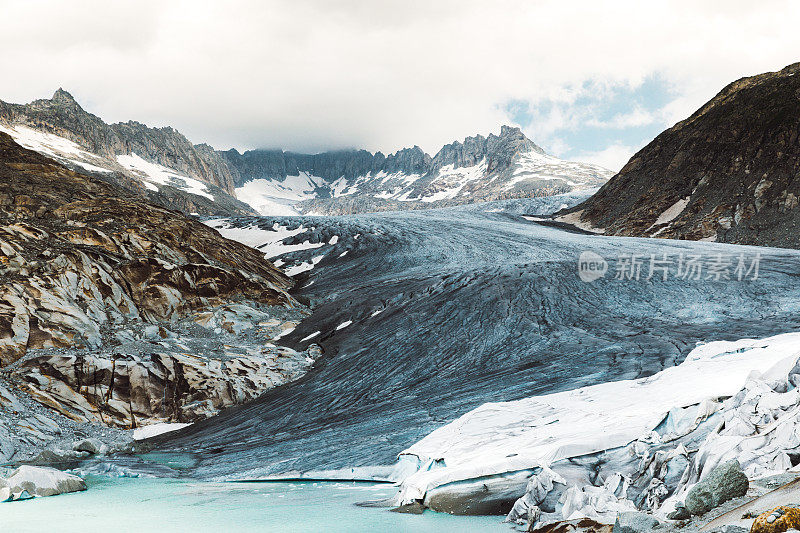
(78, 255)
(118, 312)
(727, 173)
(63, 116)
(129, 391)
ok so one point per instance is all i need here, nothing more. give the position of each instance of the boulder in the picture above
(777, 520)
(680, 512)
(93, 446)
(50, 456)
(634, 523)
(724, 482)
(43, 481)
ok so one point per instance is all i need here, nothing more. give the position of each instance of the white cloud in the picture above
(613, 157)
(312, 75)
(635, 118)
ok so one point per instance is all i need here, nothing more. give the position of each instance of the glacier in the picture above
(452, 308)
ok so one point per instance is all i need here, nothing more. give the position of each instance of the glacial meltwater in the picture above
(165, 505)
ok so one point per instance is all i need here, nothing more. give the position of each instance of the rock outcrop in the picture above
(129, 391)
(77, 255)
(727, 173)
(115, 311)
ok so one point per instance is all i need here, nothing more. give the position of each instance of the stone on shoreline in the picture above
(634, 522)
(723, 483)
(93, 446)
(7, 496)
(42, 481)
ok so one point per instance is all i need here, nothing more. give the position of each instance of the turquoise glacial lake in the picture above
(170, 505)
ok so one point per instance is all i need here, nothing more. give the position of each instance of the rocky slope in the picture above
(478, 169)
(160, 164)
(120, 312)
(727, 173)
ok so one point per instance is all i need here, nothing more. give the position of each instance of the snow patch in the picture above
(309, 337)
(161, 175)
(145, 432)
(304, 267)
(575, 220)
(268, 241)
(274, 197)
(672, 212)
(54, 146)
(283, 333)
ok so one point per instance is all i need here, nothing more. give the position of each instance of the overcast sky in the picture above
(586, 80)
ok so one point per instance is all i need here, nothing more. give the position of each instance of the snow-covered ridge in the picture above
(56, 147)
(514, 167)
(71, 154)
(529, 172)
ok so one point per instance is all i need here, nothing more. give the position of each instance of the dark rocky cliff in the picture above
(730, 172)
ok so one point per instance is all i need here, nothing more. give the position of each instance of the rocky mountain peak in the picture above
(498, 150)
(513, 136)
(505, 129)
(63, 98)
(61, 115)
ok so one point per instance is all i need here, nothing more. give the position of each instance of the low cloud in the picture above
(314, 75)
(613, 157)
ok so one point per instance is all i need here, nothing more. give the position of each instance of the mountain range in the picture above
(163, 166)
(504, 166)
(727, 173)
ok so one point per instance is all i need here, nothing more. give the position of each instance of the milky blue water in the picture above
(146, 504)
